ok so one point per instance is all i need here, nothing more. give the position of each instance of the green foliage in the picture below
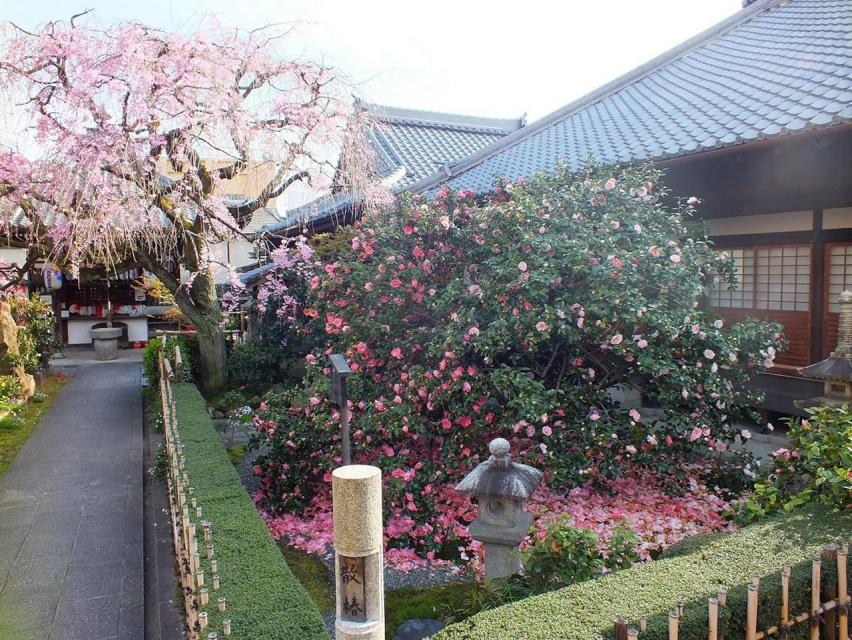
(38, 339)
(586, 610)
(816, 468)
(10, 391)
(264, 598)
(16, 427)
(150, 362)
(566, 555)
(255, 364)
(621, 549)
(313, 574)
(442, 602)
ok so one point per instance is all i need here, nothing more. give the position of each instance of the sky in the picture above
(477, 57)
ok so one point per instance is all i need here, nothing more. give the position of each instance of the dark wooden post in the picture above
(339, 372)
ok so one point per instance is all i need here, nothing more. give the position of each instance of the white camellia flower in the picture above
(746, 434)
(709, 354)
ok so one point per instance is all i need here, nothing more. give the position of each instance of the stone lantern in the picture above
(836, 370)
(502, 487)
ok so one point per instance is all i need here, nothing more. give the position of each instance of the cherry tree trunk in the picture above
(213, 358)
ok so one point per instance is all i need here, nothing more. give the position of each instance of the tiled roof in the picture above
(410, 145)
(421, 142)
(777, 67)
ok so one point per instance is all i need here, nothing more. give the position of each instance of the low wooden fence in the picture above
(827, 620)
(186, 520)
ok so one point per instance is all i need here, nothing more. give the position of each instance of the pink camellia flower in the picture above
(709, 354)
(473, 332)
(541, 326)
(314, 400)
(368, 286)
(635, 414)
(446, 424)
(522, 266)
(696, 328)
(697, 432)
(642, 343)
(610, 184)
(674, 258)
(396, 352)
(466, 387)
(630, 449)
(546, 430)
(617, 263)
(655, 251)
(530, 431)
(380, 406)
(594, 416)
(616, 339)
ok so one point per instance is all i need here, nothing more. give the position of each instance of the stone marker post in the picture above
(358, 542)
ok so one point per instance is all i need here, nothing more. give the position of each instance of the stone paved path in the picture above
(71, 525)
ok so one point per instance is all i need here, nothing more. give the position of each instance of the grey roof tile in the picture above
(410, 145)
(778, 67)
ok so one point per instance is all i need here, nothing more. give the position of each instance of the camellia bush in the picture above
(527, 314)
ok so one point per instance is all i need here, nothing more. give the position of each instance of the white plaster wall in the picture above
(837, 218)
(11, 255)
(78, 329)
(766, 223)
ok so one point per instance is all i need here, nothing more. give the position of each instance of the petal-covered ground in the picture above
(638, 503)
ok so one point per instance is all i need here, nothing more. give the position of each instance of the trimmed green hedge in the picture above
(583, 611)
(264, 600)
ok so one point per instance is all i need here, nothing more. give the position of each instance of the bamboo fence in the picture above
(827, 619)
(187, 522)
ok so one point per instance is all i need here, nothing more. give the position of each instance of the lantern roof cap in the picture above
(499, 476)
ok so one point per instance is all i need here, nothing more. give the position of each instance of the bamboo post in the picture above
(751, 614)
(673, 624)
(632, 634)
(178, 363)
(829, 552)
(643, 624)
(843, 596)
(785, 594)
(815, 603)
(619, 626)
(226, 627)
(722, 596)
(712, 619)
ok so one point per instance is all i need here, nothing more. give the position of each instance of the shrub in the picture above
(255, 364)
(37, 336)
(10, 392)
(584, 611)
(565, 555)
(516, 315)
(816, 468)
(264, 599)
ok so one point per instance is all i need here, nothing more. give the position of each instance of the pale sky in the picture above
(478, 57)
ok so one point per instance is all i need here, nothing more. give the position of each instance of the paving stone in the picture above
(61, 500)
(94, 618)
(131, 623)
(92, 581)
(44, 544)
